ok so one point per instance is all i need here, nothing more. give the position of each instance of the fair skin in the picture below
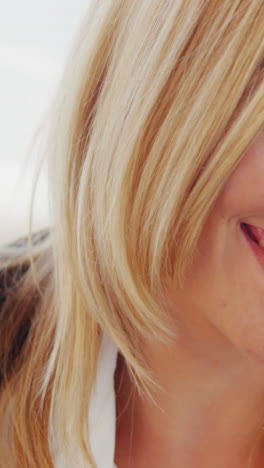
(211, 409)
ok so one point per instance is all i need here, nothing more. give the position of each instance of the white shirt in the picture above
(102, 413)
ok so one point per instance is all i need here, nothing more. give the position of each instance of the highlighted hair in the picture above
(158, 103)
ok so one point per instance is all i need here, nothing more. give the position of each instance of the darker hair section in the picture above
(16, 318)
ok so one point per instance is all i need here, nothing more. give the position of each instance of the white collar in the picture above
(102, 413)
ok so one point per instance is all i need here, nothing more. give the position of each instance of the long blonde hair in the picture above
(157, 105)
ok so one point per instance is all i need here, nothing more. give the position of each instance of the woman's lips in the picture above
(255, 238)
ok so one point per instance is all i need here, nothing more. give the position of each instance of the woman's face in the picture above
(222, 298)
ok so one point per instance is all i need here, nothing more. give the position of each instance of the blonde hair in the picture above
(157, 105)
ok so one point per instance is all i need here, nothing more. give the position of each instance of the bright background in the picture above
(35, 37)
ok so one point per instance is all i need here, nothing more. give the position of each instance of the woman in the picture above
(133, 331)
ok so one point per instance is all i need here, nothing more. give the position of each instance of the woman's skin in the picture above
(212, 406)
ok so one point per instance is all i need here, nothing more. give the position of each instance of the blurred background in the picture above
(35, 37)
